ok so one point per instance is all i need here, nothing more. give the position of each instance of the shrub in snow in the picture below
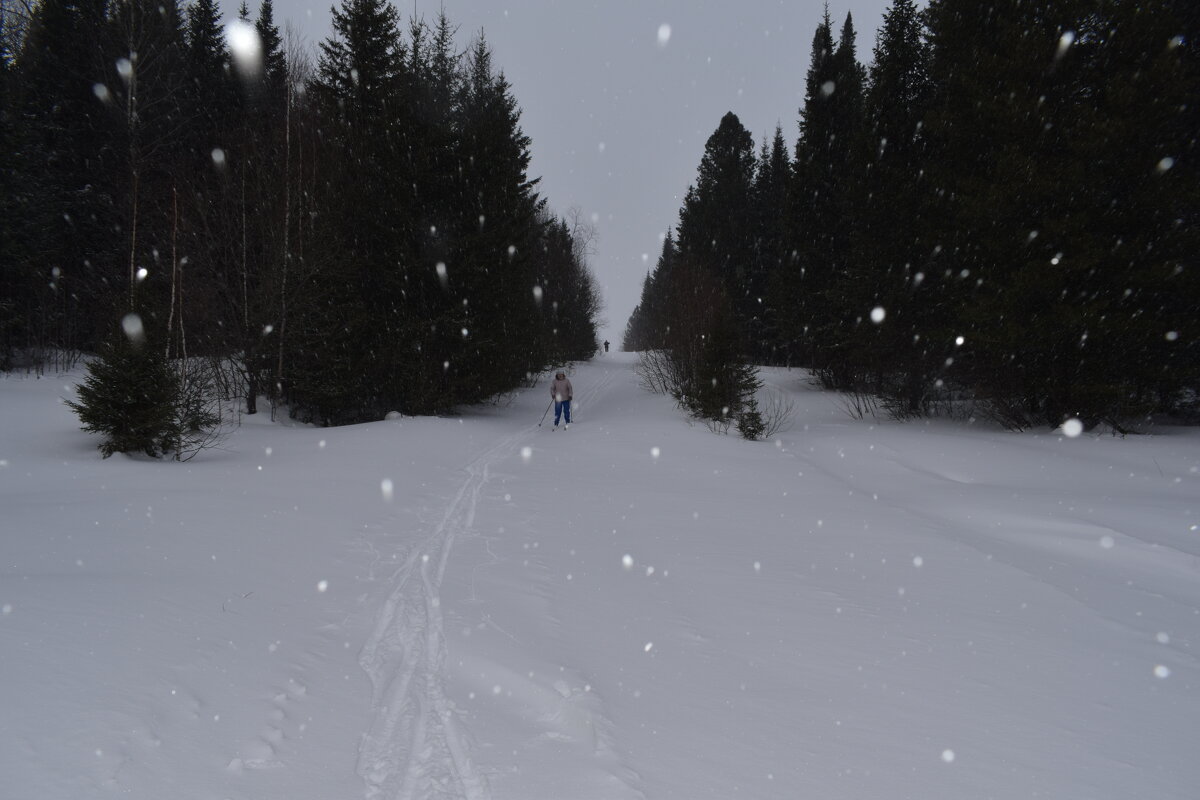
(750, 421)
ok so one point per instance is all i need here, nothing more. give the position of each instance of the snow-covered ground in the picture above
(635, 608)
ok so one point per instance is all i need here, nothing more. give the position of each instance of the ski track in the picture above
(416, 747)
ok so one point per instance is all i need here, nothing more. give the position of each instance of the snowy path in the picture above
(635, 609)
(416, 743)
(417, 746)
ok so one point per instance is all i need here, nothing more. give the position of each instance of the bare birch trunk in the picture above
(131, 121)
(133, 242)
(245, 268)
(248, 360)
(287, 223)
(179, 271)
(174, 267)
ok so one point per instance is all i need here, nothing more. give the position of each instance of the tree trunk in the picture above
(287, 222)
(174, 268)
(248, 358)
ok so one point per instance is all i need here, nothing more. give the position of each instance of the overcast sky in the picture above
(619, 111)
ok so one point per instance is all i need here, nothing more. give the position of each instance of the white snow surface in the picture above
(859, 609)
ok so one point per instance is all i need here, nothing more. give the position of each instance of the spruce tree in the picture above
(828, 171)
(10, 275)
(60, 231)
(1138, 138)
(351, 365)
(896, 353)
(837, 315)
(203, 200)
(771, 246)
(1029, 276)
(446, 271)
(275, 66)
(716, 223)
(647, 327)
(570, 302)
(128, 397)
(493, 340)
(207, 56)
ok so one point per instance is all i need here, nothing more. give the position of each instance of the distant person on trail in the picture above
(606, 345)
(560, 390)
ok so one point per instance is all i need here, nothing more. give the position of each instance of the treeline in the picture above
(355, 234)
(1004, 207)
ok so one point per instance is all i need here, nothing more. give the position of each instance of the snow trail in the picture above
(416, 746)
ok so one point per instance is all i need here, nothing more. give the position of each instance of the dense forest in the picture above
(1001, 212)
(346, 235)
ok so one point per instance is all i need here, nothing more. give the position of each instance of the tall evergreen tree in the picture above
(60, 230)
(1040, 301)
(647, 327)
(716, 223)
(274, 60)
(200, 180)
(634, 339)
(896, 355)
(771, 246)
(438, 180)
(446, 271)
(1136, 136)
(498, 231)
(828, 170)
(9, 252)
(356, 369)
(207, 55)
(849, 86)
(571, 301)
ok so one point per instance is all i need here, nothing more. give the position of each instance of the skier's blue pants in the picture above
(561, 408)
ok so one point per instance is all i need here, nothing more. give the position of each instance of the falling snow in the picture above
(131, 324)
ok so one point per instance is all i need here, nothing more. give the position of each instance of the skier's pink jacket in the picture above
(560, 389)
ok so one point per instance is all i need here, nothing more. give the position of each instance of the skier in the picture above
(606, 345)
(560, 390)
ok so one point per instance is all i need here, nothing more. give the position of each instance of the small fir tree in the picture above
(129, 398)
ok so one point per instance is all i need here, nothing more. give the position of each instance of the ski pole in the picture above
(544, 413)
